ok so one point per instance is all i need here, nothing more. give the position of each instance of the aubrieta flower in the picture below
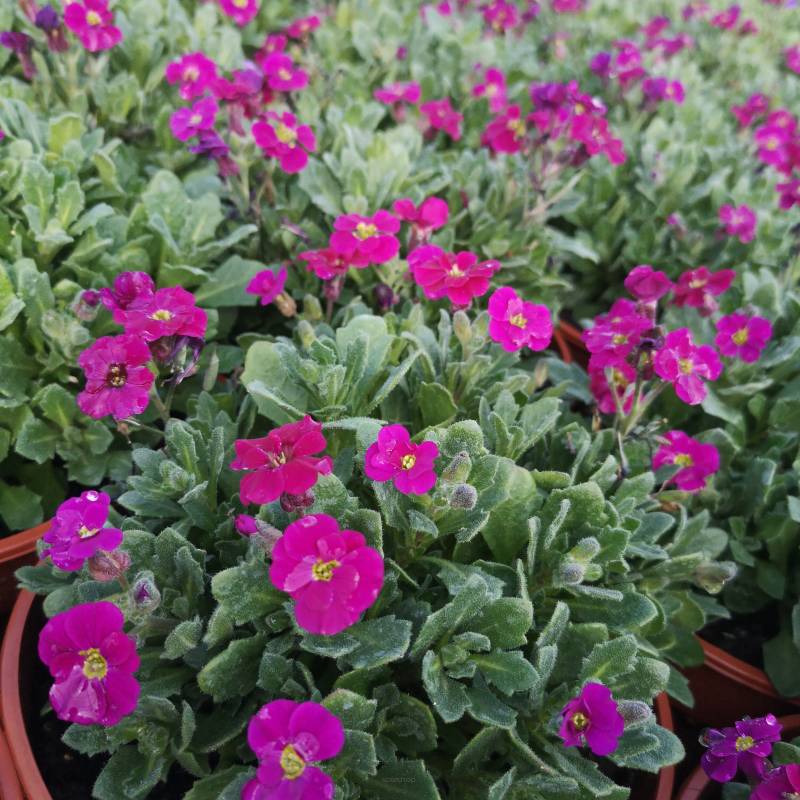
(240, 11)
(327, 263)
(92, 22)
(212, 145)
(441, 116)
(647, 284)
(331, 574)
(394, 457)
(774, 142)
(739, 221)
(505, 133)
(431, 214)
(131, 290)
(614, 335)
(756, 106)
(792, 55)
(282, 461)
(697, 288)
(289, 738)
(300, 28)
(267, 285)
(789, 193)
(187, 123)
(195, 73)
(658, 89)
(245, 524)
(92, 661)
(21, 44)
(697, 461)
(117, 380)
(592, 718)
(686, 365)
(501, 16)
(399, 92)
(743, 336)
(47, 20)
(170, 312)
(781, 783)
(77, 531)
(368, 240)
(493, 88)
(627, 65)
(516, 323)
(744, 746)
(568, 6)
(282, 75)
(595, 135)
(281, 137)
(605, 380)
(726, 20)
(457, 276)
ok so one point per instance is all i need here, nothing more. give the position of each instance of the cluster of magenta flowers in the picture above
(437, 115)
(746, 748)
(256, 95)
(633, 359)
(161, 325)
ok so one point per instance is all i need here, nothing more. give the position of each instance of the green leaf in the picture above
(379, 641)
(212, 787)
(20, 508)
(436, 404)
(16, 369)
(358, 755)
(226, 285)
(128, 775)
(234, 671)
(449, 697)
(354, 711)
(401, 781)
(505, 621)
(509, 671)
(245, 592)
(59, 406)
(183, 638)
(782, 664)
(609, 659)
(63, 129)
(36, 440)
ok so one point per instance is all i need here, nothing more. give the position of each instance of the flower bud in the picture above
(570, 573)
(458, 470)
(385, 297)
(286, 304)
(585, 550)
(144, 592)
(634, 712)
(305, 332)
(713, 575)
(462, 327)
(312, 308)
(246, 525)
(85, 305)
(464, 496)
(105, 566)
(296, 502)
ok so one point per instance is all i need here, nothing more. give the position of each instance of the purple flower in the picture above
(131, 291)
(743, 336)
(745, 746)
(685, 365)
(592, 718)
(246, 524)
(647, 284)
(267, 285)
(697, 461)
(739, 222)
(780, 784)
(394, 457)
(21, 44)
(186, 123)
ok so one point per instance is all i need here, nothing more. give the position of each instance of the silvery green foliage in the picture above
(493, 613)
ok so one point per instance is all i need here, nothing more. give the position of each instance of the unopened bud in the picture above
(108, 566)
(296, 502)
(462, 327)
(312, 308)
(286, 304)
(305, 332)
(458, 470)
(144, 592)
(571, 573)
(246, 525)
(85, 306)
(464, 496)
(634, 712)
(585, 550)
(385, 296)
(713, 575)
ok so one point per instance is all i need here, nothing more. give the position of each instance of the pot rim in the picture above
(9, 783)
(22, 543)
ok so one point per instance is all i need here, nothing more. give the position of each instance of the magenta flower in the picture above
(779, 784)
(132, 290)
(697, 461)
(21, 44)
(394, 457)
(267, 285)
(431, 214)
(756, 106)
(458, 276)
(614, 335)
(773, 144)
(398, 92)
(568, 6)
(743, 336)
(117, 380)
(647, 284)
(195, 73)
(726, 20)
(300, 28)
(789, 194)
(501, 16)
(506, 132)
(282, 461)
(658, 89)
(92, 661)
(240, 11)
(331, 574)
(516, 323)
(77, 531)
(685, 365)
(92, 22)
(281, 73)
(328, 264)
(493, 89)
(739, 222)
(441, 116)
(188, 122)
(246, 524)
(745, 746)
(170, 312)
(792, 55)
(592, 718)
(697, 288)
(594, 134)
(622, 378)
(279, 136)
(369, 240)
(288, 738)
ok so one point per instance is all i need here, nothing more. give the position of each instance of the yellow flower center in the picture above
(517, 127)
(162, 315)
(580, 721)
(686, 365)
(491, 90)
(240, 3)
(455, 272)
(771, 144)
(323, 571)
(87, 533)
(697, 283)
(191, 74)
(93, 18)
(744, 743)
(292, 764)
(740, 337)
(580, 108)
(619, 338)
(408, 461)
(94, 665)
(116, 376)
(285, 134)
(618, 379)
(284, 74)
(364, 230)
(195, 119)
(683, 460)
(518, 321)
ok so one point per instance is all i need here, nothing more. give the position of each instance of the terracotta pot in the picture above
(19, 647)
(16, 551)
(699, 786)
(9, 784)
(658, 787)
(568, 341)
(726, 688)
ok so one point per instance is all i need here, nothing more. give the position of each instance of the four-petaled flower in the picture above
(267, 285)
(782, 783)
(506, 133)
(740, 221)
(515, 323)
(399, 92)
(743, 336)
(592, 718)
(441, 116)
(186, 123)
(744, 746)
(686, 365)
(697, 288)
(331, 574)
(195, 73)
(394, 457)
(647, 284)
(280, 136)
(457, 276)
(170, 312)
(615, 335)
(92, 22)
(697, 461)
(368, 240)
(131, 291)
(240, 11)
(281, 73)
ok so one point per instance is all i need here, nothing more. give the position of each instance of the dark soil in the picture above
(744, 634)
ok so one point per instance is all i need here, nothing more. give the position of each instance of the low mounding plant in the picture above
(521, 583)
